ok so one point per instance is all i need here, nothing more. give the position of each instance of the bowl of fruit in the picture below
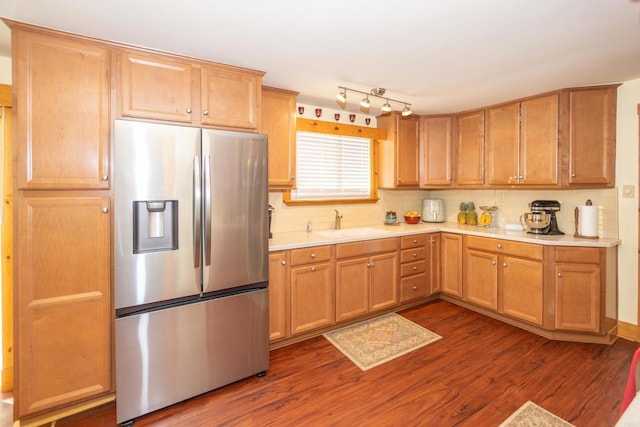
(412, 217)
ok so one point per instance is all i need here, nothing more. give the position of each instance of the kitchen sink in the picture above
(351, 232)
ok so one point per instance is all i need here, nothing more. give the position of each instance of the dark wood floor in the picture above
(477, 375)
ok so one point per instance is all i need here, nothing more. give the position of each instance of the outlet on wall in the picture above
(628, 191)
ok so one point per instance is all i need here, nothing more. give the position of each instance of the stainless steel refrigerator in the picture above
(191, 262)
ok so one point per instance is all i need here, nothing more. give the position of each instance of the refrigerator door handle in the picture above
(207, 210)
(197, 213)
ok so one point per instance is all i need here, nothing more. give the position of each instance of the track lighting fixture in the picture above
(378, 92)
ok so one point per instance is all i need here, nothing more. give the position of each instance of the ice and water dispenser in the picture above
(155, 226)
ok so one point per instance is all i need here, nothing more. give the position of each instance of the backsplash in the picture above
(511, 203)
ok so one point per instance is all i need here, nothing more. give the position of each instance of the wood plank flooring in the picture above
(478, 374)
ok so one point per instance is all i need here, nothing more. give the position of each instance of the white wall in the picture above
(5, 70)
(627, 174)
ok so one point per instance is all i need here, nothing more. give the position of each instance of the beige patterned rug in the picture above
(376, 341)
(531, 415)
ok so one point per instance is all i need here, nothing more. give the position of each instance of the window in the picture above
(336, 168)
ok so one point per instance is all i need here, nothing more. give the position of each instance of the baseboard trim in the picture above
(628, 331)
(52, 417)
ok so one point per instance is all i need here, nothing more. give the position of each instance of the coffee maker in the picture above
(542, 219)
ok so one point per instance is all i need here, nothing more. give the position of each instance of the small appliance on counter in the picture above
(433, 210)
(542, 218)
(390, 218)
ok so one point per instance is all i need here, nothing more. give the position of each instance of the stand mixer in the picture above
(542, 218)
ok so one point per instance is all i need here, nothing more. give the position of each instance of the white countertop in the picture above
(301, 239)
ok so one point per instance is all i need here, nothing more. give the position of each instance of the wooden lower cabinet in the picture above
(312, 297)
(366, 283)
(481, 278)
(435, 262)
(452, 264)
(414, 279)
(278, 284)
(63, 301)
(522, 282)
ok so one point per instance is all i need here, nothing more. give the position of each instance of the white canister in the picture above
(433, 210)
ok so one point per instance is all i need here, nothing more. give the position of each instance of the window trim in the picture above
(318, 126)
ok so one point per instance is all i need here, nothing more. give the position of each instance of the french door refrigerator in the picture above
(191, 262)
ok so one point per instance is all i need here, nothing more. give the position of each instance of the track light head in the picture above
(406, 111)
(386, 107)
(365, 102)
(342, 96)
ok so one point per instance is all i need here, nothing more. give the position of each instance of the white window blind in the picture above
(332, 167)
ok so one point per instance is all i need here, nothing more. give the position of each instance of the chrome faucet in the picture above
(338, 218)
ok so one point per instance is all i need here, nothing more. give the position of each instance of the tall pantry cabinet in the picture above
(62, 221)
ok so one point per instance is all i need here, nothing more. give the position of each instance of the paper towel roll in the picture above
(588, 221)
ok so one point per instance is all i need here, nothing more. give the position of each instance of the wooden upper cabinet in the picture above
(278, 122)
(522, 143)
(63, 123)
(230, 97)
(591, 128)
(436, 151)
(170, 88)
(399, 152)
(470, 148)
(154, 87)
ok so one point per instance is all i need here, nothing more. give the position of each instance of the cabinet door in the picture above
(278, 123)
(63, 292)
(539, 141)
(592, 136)
(230, 98)
(522, 281)
(384, 281)
(277, 295)
(155, 87)
(470, 148)
(352, 288)
(436, 151)
(312, 298)
(452, 264)
(407, 152)
(503, 155)
(435, 264)
(481, 278)
(62, 126)
(577, 292)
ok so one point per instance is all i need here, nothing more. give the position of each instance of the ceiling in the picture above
(440, 56)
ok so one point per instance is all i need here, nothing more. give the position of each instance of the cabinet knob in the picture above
(433, 240)
(560, 275)
(415, 268)
(188, 110)
(205, 112)
(372, 265)
(293, 177)
(573, 175)
(415, 254)
(499, 246)
(313, 268)
(504, 264)
(283, 262)
(105, 210)
(521, 177)
(105, 177)
(415, 288)
(313, 255)
(415, 241)
(493, 263)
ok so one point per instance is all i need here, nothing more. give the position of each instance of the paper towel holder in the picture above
(577, 221)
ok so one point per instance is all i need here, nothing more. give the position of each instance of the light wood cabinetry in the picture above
(434, 241)
(278, 286)
(171, 88)
(62, 240)
(62, 114)
(63, 306)
(452, 264)
(312, 289)
(436, 151)
(278, 118)
(469, 153)
(522, 143)
(505, 276)
(366, 277)
(578, 289)
(399, 153)
(589, 124)
(414, 271)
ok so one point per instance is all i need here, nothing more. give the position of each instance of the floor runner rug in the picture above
(376, 341)
(531, 415)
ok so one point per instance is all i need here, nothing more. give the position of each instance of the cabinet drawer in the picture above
(366, 247)
(309, 255)
(414, 241)
(508, 247)
(580, 255)
(410, 255)
(412, 268)
(413, 287)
